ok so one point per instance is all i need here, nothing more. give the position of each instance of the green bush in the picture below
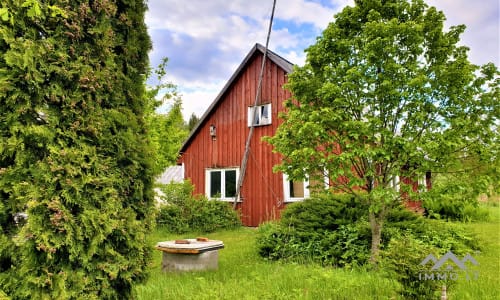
(451, 200)
(401, 261)
(439, 233)
(334, 231)
(408, 238)
(185, 213)
(329, 229)
(324, 212)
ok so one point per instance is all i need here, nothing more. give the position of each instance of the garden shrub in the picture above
(451, 200)
(185, 213)
(438, 233)
(408, 238)
(325, 212)
(329, 229)
(401, 261)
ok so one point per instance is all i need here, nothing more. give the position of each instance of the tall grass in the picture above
(244, 275)
(487, 285)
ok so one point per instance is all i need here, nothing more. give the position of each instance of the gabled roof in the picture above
(278, 60)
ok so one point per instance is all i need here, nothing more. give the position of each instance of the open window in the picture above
(261, 115)
(221, 183)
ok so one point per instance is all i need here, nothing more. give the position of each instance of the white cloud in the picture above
(482, 21)
(205, 41)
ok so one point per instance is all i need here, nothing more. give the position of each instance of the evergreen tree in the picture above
(193, 121)
(73, 150)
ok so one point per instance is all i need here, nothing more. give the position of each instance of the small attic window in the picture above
(261, 115)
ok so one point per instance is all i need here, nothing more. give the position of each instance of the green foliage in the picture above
(401, 261)
(73, 149)
(386, 92)
(184, 213)
(325, 212)
(437, 233)
(408, 238)
(326, 229)
(451, 199)
(166, 131)
(320, 231)
(193, 121)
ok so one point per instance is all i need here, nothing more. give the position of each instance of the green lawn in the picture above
(243, 274)
(487, 286)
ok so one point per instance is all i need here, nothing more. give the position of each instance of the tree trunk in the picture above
(376, 222)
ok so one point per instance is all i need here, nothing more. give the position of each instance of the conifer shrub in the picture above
(328, 229)
(183, 212)
(73, 150)
(324, 212)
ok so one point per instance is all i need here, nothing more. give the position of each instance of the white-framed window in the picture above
(295, 190)
(262, 115)
(221, 183)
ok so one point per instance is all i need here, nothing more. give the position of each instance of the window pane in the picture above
(256, 120)
(316, 186)
(296, 189)
(215, 184)
(230, 183)
(264, 113)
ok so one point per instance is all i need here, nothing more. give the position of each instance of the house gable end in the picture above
(284, 64)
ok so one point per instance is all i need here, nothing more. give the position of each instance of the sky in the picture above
(206, 40)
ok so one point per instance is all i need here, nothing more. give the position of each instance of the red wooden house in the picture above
(213, 152)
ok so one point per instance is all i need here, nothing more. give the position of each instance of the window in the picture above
(221, 183)
(395, 183)
(262, 115)
(422, 183)
(299, 190)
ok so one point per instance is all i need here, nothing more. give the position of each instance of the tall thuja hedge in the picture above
(73, 148)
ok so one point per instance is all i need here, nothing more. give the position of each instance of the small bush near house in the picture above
(329, 229)
(183, 212)
(401, 261)
(452, 200)
(324, 212)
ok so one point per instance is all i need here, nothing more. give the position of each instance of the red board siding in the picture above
(262, 190)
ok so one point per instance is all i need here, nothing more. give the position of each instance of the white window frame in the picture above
(395, 183)
(307, 192)
(422, 182)
(222, 181)
(261, 121)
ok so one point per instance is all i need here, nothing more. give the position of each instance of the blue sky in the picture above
(206, 40)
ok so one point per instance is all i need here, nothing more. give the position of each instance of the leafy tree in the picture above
(74, 153)
(386, 92)
(166, 131)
